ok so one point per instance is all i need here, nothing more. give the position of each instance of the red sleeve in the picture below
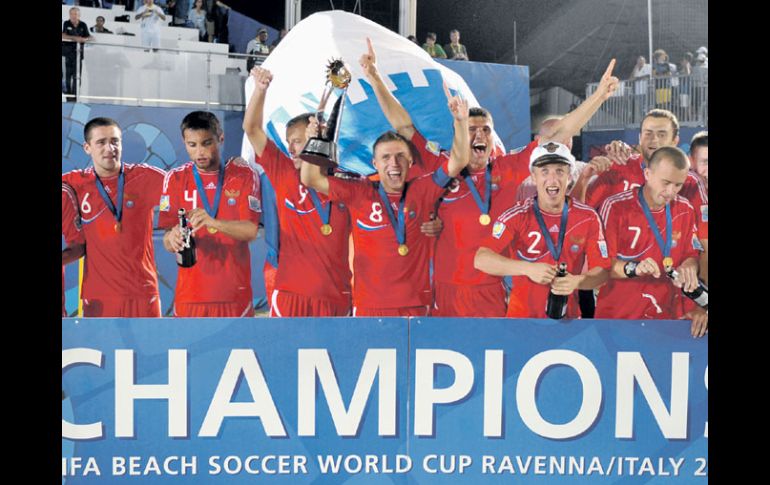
(169, 201)
(599, 190)
(249, 205)
(430, 152)
(346, 191)
(690, 236)
(610, 216)
(274, 162)
(70, 217)
(597, 250)
(694, 190)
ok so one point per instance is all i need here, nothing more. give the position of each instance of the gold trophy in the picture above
(322, 150)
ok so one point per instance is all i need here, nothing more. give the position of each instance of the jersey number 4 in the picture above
(191, 198)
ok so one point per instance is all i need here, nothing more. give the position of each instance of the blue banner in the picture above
(387, 400)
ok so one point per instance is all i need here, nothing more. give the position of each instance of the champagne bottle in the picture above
(556, 307)
(186, 256)
(699, 295)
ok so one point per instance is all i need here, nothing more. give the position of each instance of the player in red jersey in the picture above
(467, 209)
(313, 277)
(222, 204)
(649, 228)
(659, 128)
(532, 237)
(73, 236)
(391, 260)
(116, 203)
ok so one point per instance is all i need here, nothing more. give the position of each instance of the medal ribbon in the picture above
(546, 234)
(665, 246)
(202, 191)
(324, 210)
(482, 203)
(117, 212)
(398, 224)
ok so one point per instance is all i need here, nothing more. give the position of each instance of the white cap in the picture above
(702, 50)
(551, 152)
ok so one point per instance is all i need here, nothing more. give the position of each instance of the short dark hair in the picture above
(673, 154)
(202, 120)
(303, 118)
(480, 112)
(453, 31)
(700, 139)
(663, 113)
(431, 35)
(390, 136)
(100, 17)
(96, 123)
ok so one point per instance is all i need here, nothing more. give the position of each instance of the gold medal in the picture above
(119, 227)
(212, 230)
(668, 262)
(326, 229)
(403, 249)
(484, 219)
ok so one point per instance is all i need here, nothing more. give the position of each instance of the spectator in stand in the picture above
(641, 71)
(197, 16)
(455, 50)
(700, 82)
(99, 27)
(432, 48)
(661, 68)
(77, 31)
(151, 16)
(699, 156)
(277, 41)
(257, 46)
(413, 39)
(703, 50)
(683, 92)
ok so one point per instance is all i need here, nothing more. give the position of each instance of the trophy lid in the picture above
(338, 74)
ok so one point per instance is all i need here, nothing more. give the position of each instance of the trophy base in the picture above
(320, 152)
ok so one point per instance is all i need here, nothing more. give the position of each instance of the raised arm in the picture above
(395, 113)
(253, 118)
(573, 122)
(459, 157)
(311, 175)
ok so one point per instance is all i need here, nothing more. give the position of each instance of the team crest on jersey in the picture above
(578, 239)
(704, 213)
(603, 249)
(696, 244)
(165, 205)
(254, 204)
(129, 204)
(341, 206)
(495, 187)
(232, 193)
(231, 201)
(412, 214)
(673, 243)
(498, 229)
(574, 248)
(496, 180)
(433, 147)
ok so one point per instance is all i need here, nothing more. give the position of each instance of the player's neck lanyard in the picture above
(398, 223)
(116, 211)
(324, 210)
(546, 234)
(202, 191)
(665, 246)
(484, 203)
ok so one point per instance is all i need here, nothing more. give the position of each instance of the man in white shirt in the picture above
(152, 18)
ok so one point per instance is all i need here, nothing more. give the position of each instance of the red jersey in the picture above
(309, 263)
(70, 227)
(517, 232)
(462, 233)
(629, 237)
(384, 278)
(222, 272)
(118, 265)
(620, 178)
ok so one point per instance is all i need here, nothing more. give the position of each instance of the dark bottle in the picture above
(699, 295)
(186, 257)
(556, 307)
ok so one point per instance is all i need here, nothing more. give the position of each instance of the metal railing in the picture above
(126, 73)
(685, 96)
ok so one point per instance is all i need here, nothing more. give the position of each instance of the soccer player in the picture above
(487, 187)
(659, 128)
(391, 260)
(541, 232)
(222, 204)
(116, 203)
(73, 237)
(313, 276)
(650, 228)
